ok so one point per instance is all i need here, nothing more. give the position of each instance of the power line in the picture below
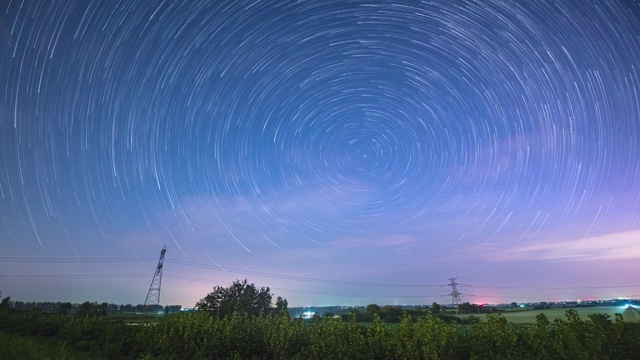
(70, 260)
(297, 291)
(292, 277)
(551, 287)
(343, 282)
(217, 268)
(68, 276)
(206, 281)
(529, 297)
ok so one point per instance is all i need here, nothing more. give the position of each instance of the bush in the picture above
(20, 347)
(277, 336)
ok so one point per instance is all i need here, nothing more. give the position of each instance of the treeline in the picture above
(243, 322)
(68, 307)
(278, 336)
(393, 314)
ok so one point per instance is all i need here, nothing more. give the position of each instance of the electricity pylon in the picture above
(455, 294)
(153, 296)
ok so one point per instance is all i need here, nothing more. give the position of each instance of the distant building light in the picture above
(308, 314)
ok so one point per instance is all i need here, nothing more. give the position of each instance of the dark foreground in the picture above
(34, 335)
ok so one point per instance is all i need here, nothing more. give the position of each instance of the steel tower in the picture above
(455, 294)
(153, 296)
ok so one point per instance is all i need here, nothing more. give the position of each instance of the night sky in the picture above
(340, 152)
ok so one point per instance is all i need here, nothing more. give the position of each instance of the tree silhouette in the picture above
(239, 297)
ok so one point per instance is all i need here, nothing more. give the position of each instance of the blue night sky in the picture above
(340, 152)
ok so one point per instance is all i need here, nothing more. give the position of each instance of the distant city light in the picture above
(308, 314)
(629, 306)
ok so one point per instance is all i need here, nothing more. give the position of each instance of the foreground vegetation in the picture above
(277, 336)
(529, 316)
(229, 327)
(21, 347)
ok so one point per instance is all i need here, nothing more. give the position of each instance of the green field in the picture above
(135, 319)
(529, 316)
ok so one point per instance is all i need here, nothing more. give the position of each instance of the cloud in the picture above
(616, 246)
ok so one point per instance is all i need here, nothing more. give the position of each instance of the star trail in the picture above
(360, 143)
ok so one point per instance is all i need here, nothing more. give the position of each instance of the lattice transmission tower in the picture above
(153, 296)
(455, 294)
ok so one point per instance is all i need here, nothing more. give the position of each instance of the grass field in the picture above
(529, 316)
(135, 319)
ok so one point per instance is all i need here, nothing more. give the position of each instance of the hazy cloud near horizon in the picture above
(602, 248)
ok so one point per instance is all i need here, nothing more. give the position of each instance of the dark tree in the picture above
(282, 306)
(467, 308)
(64, 308)
(239, 297)
(372, 309)
(391, 314)
(88, 309)
(435, 308)
(542, 320)
(544, 305)
(4, 304)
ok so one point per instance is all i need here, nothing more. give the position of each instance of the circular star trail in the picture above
(335, 128)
